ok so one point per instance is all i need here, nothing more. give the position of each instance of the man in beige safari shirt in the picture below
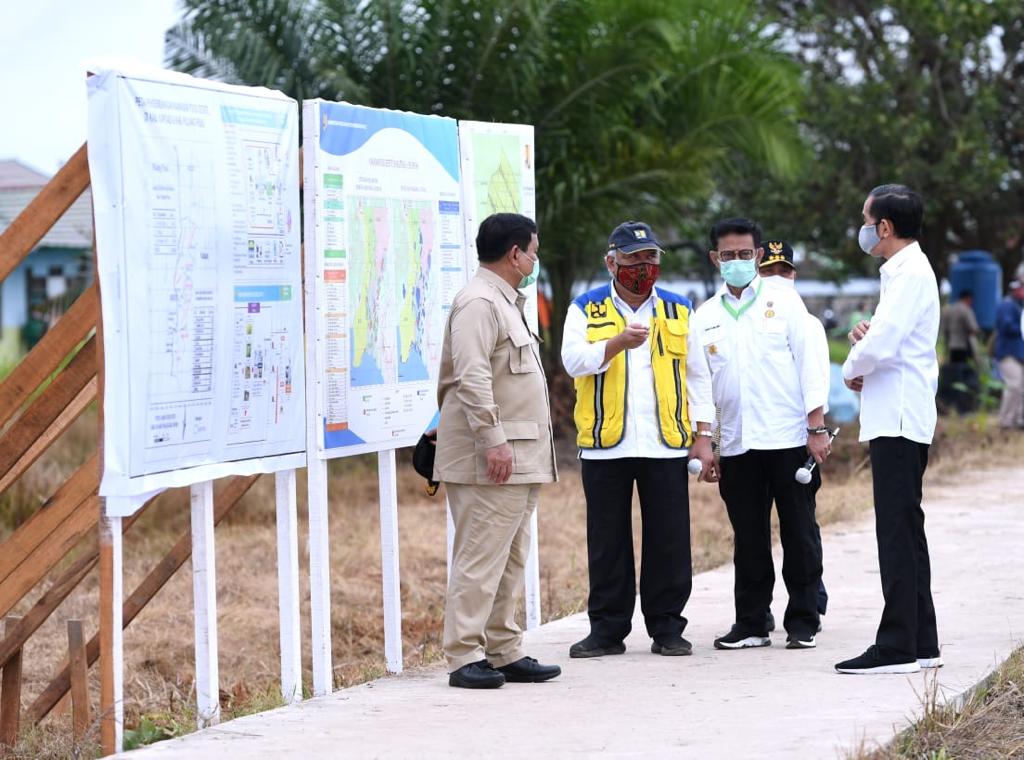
(494, 449)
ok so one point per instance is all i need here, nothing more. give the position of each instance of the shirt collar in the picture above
(902, 256)
(747, 293)
(510, 293)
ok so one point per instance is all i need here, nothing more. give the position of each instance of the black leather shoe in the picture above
(528, 670)
(476, 675)
(592, 647)
(671, 646)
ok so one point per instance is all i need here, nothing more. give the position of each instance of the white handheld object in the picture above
(803, 475)
(695, 466)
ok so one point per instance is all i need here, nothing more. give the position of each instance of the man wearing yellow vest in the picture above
(643, 401)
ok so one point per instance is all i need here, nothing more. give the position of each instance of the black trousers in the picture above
(815, 487)
(908, 618)
(666, 573)
(749, 483)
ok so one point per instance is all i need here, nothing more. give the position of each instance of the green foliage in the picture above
(639, 105)
(147, 732)
(924, 92)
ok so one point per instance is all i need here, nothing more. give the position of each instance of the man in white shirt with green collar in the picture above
(766, 380)
(894, 366)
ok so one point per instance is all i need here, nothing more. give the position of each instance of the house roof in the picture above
(19, 184)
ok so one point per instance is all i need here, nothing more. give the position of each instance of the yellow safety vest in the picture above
(600, 411)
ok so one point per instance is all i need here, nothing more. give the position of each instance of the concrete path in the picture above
(768, 702)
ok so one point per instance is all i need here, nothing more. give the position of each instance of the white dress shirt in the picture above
(815, 334)
(765, 372)
(641, 436)
(897, 356)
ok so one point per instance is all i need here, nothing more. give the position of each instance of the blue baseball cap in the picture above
(630, 237)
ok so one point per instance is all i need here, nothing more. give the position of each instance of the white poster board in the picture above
(498, 176)
(195, 187)
(385, 258)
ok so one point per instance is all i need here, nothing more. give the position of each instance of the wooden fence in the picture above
(64, 540)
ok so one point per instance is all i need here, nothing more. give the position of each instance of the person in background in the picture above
(778, 268)
(643, 402)
(958, 381)
(494, 449)
(767, 381)
(1009, 353)
(893, 365)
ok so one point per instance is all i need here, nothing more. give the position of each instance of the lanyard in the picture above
(737, 313)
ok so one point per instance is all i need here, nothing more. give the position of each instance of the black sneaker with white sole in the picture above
(736, 639)
(800, 642)
(876, 662)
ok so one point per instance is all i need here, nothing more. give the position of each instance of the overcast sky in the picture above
(43, 44)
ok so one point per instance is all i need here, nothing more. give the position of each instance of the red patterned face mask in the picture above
(638, 278)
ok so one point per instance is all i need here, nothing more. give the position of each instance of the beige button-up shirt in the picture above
(492, 388)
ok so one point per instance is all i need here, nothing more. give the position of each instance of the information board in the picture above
(385, 258)
(196, 193)
(498, 176)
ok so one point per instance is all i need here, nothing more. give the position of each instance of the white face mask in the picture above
(868, 238)
(778, 281)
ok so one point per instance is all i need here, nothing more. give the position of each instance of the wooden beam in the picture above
(68, 415)
(226, 500)
(79, 680)
(42, 412)
(56, 197)
(10, 695)
(34, 542)
(44, 358)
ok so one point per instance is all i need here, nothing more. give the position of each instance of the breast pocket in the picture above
(773, 332)
(674, 336)
(520, 351)
(716, 348)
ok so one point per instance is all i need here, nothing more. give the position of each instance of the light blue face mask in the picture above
(868, 238)
(738, 273)
(529, 279)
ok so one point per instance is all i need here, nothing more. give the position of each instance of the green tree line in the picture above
(678, 112)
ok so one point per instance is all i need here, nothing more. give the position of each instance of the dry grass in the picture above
(158, 645)
(985, 724)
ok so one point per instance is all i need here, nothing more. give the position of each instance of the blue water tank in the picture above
(978, 272)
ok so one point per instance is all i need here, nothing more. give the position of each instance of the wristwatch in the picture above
(817, 430)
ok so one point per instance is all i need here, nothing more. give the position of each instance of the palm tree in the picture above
(639, 105)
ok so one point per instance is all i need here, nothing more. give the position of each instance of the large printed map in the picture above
(388, 233)
(196, 198)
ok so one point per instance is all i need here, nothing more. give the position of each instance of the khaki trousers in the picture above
(1011, 409)
(492, 538)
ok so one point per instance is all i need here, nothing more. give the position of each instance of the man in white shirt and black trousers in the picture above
(894, 366)
(767, 382)
(779, 267)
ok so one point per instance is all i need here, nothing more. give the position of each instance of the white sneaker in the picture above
(929, 662)
(808, 643)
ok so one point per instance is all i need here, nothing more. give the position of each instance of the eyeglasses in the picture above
(744, 254)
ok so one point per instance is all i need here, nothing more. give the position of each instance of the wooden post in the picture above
(79, 679)
(390, 576)
(111, 636)
(288, 587)
(533, 577)
(10, 692)
(204, 594)
(319, 574)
